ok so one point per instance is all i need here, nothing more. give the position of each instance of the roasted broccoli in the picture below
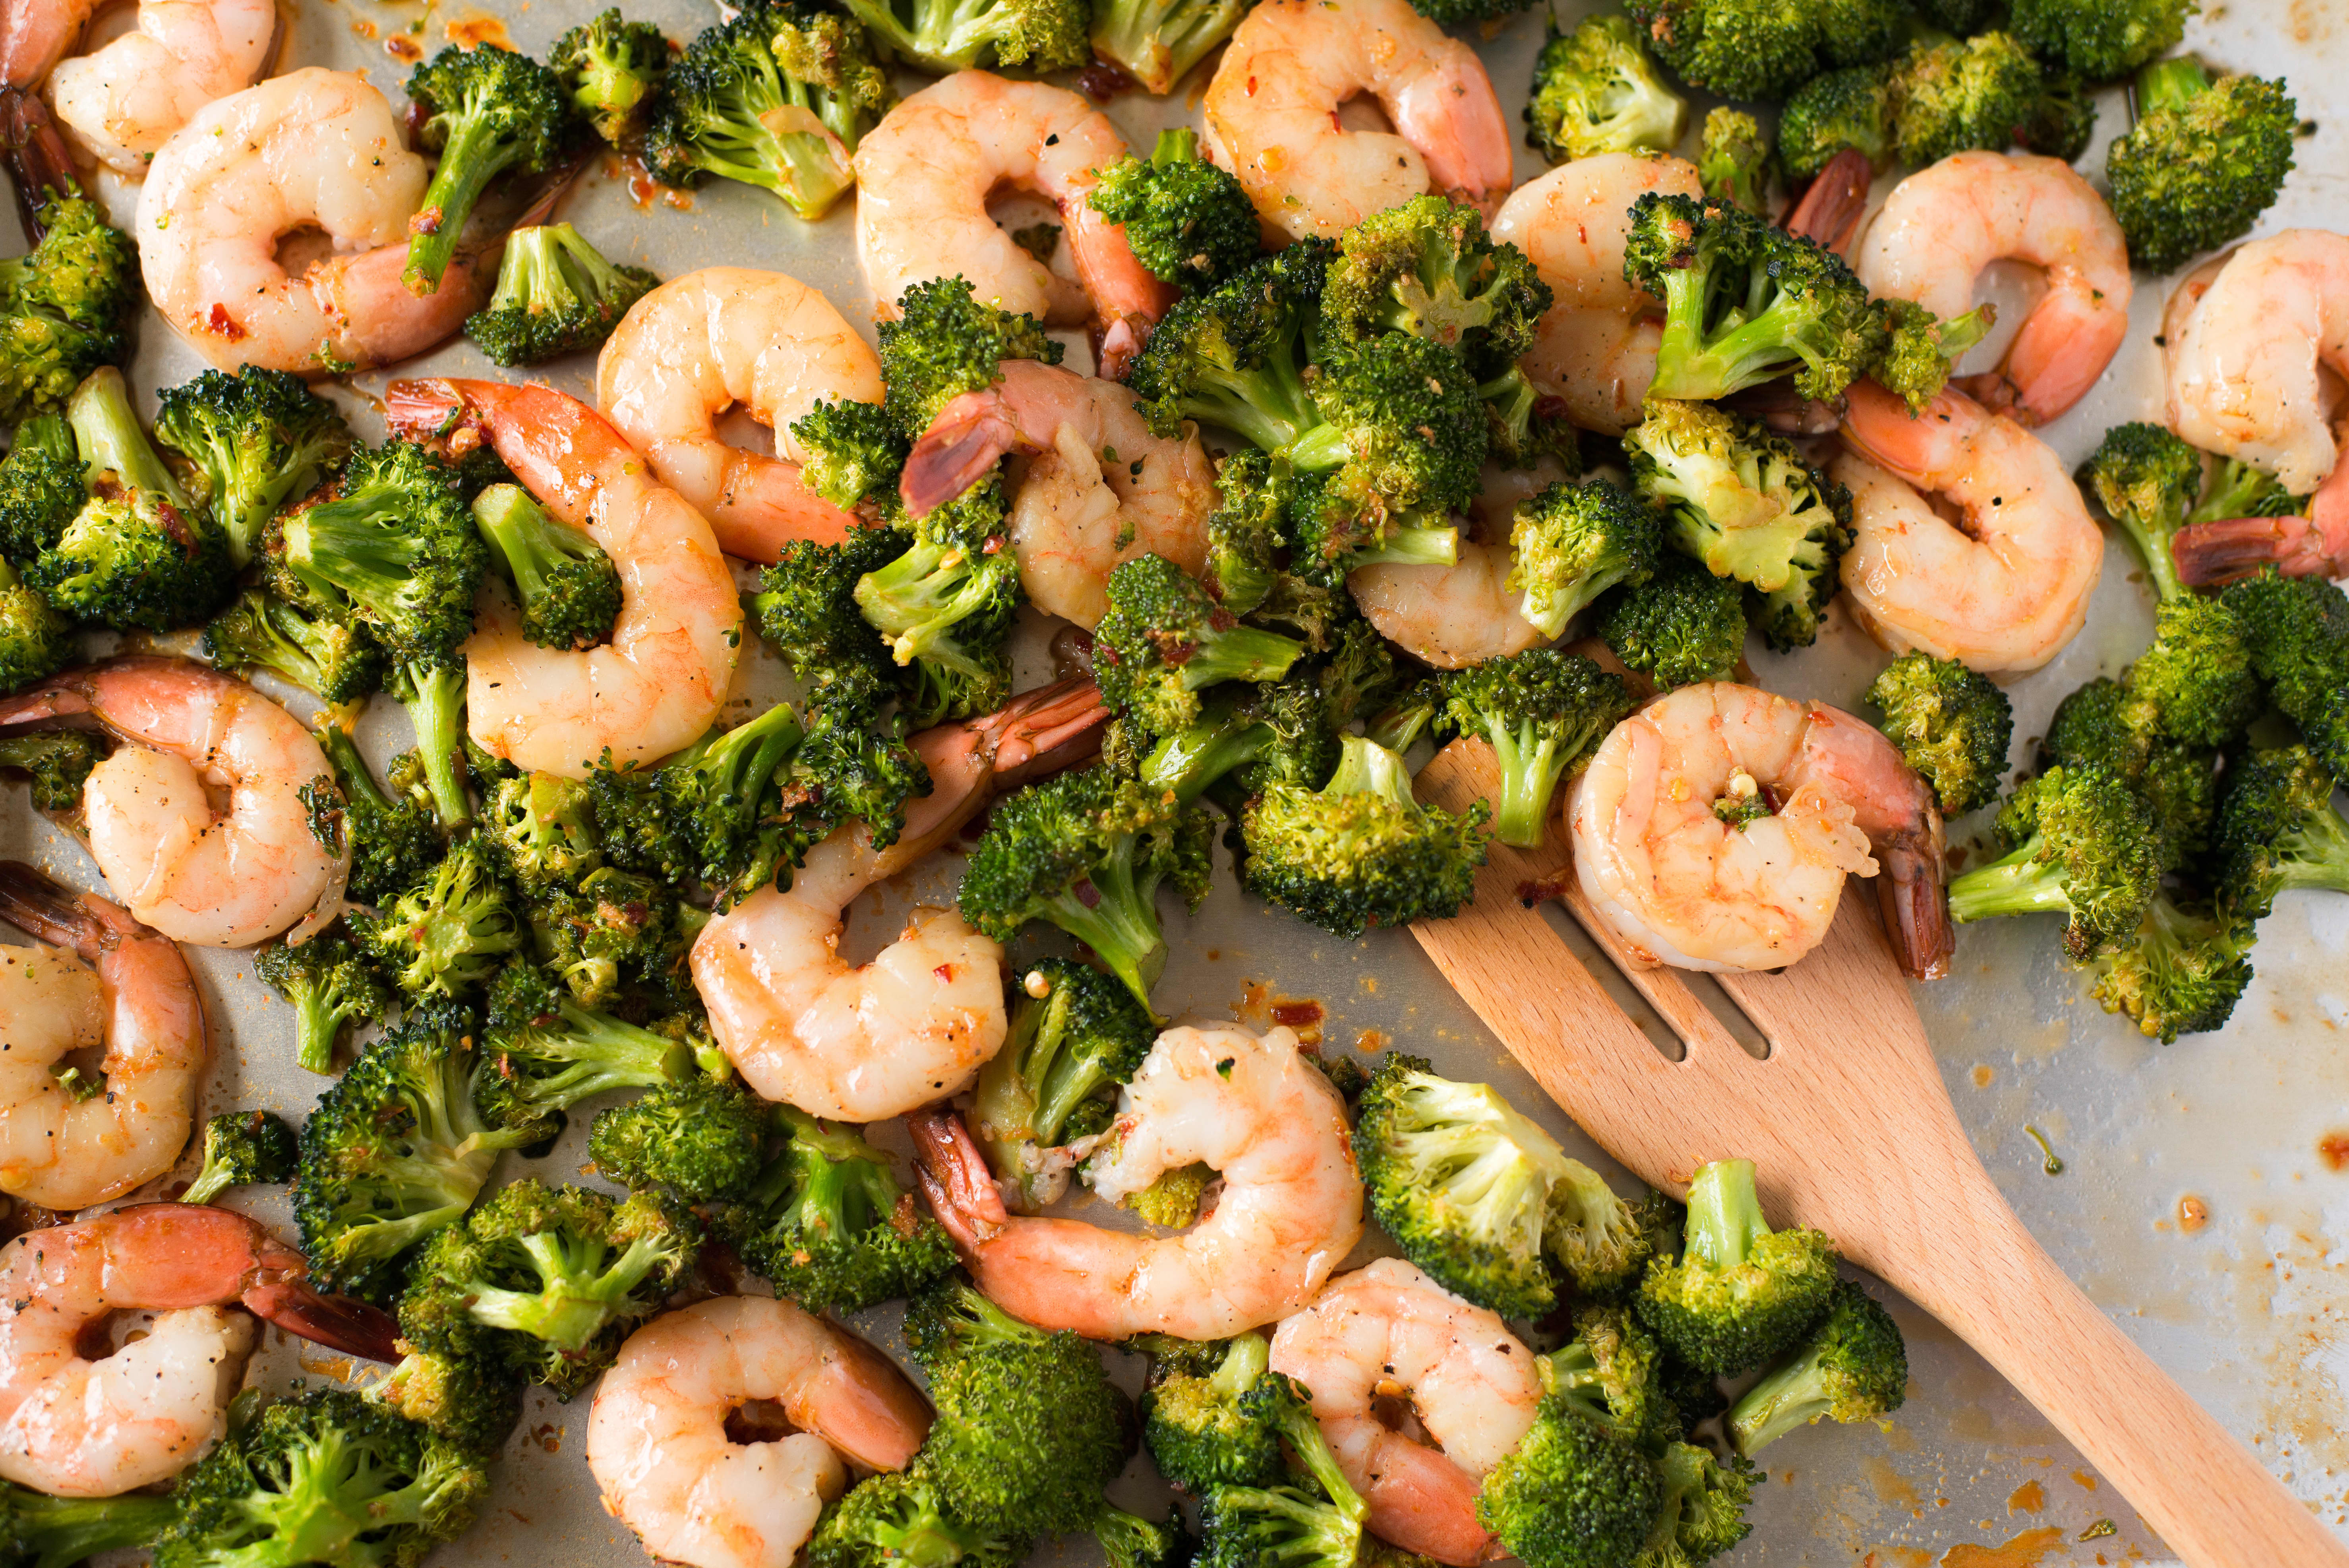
(1156, 42)
(1188, 222)
(1359, 852)
(451, 933)
(40, 486)
(612, 69)
(1543, 713)
(1611, 1375)
(1733, 47)
(806, 609)
(1572, 1495)
(2083, 845)
(395, 841)
(472, 1400)
(2204, 159)
(2100, 40)
(485, 111)
(1704, 1507)
(1602, 1242)
(1130, 1541)
(1309, 1518)
(260, 438)
(944, 341)
(62, 305)
(1957, 96)
(1076, 1035)
(1404, 437)
(702, 1138)
(2278, 831)
(2196, 679)
(944, 605)
(37, 1530)
(1853, 1368)
(1427, 267)
(1596, 91)
(1681, 626)
(1740, 1292)
(948, 36)
(2180, 973)
(56, 763)
(330, 983)
(900, 1519)
(1853, 108)
(36, 641)
(556, 295)
(334, 661)
(1735, 163)
(242, 1148)
(2146, 480)
(1234, 357)
(1164, 640)
(1570, 544)
(1952, 727)
(2298, 630)
(1200, 1430)
(620, 941)
(569, 588)
(544, 828)
(2104, 725)
(546, 1052)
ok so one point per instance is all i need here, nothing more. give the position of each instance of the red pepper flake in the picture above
(221, 324)
(945, 973)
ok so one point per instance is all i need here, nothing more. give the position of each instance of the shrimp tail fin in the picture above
(1913, 896)
(1830, 210)
(37, 154)
(423, 408)
(337, 1322)
(1123, 341)
(32, 902)
(969, 436)
(2209, 554)
(955, 1178)
(1994, 391)
(1047, 730)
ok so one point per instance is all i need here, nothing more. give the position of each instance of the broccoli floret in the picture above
(486, 111)
(546, 1052)
(1743, 301)
(1234, 357)
(2204, 159)
(1164, 640)
(2196, 678)
(1735, 163)
(335, 661)
(945, 606)
(330, 983)
(1028, 1427)
(1247, 533)
(41, 486)
(1910, 349)
(1076, 1035)
(451, 933)
(1743, 500)
(1752, 50)
(261, 437)
(2100, 40)
(1285, 732)
(2147, 479)
(1186, 220)
(1611, 1375)
(432, 690)
(323, 1476)
(1361, 853)
(2298, 629)
(472, 1400)
(1955, 96)
(390, 544)
(552, 1278)
(1704, 1508)
(544, 828)
(2085, 847)
(854, 454)
(1595, 90)
(242, 1148)
(1156, 42)
(2235, 488)
(829, 1222)
(1201, 1433)
(1051, 845)
(556, 295)
(1461, 1181)
(1681, 626)
(2063, 121)
(1312, 1518)
(1130, 1541)
(1847, 109)
(2278, 831)
(569, 588)
(1543, 713)
(1403, 443)
(37, 1530)
(944, 37)
(2182, 973)
(138, 552)
(618, 933)
(62, 305)
(612, 69)
(1740, 1292)
(1853, 1368)
(1602, 1242)
(945, 342)
(1952, 727)
(701, 1138)
(1570, 544)
(901, 1519)
(394, 840)
(2105, 725)
(1572, 1495)
(36, 641)
(807, 608)
(397, 1150)
(56, 763)
(1427, 267)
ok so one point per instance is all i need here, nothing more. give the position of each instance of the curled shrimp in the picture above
(2005, 590)
(657, 685)
(1596, 348)
(313, 148)
(726, 338)
(196, 873)
(1387, 1331)
(658, 1441)
(918, 1022)
(34, 36)
(77, 1428)
(123, 99)
(1096, 487)
(1288, 1210)
(1665, 851)
(108, 981)
(1943, 224)
(1448, 616)
(923, 178)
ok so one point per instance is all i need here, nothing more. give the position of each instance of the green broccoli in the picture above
(1188, 222)
(556, 295)
(1543, 713)
(544, 828)
(855, 452)
(1427, 267)
(1602, 1242)
(806, 609)
(1851, 108)
(1740, 1292)
(2278, 831)
(37, 1530)
(1952, 727)
(2146, 480)
(260, 438)
(55, 762)
(1361, 853)
(546, 1052)
(1569, 543)
(1075, 1036)
(41, 486)
(569, 588)
(2081, 845)
(1310, 1518)
(1157, 42)
(2298, 630)
(1735, 163)
(900, 1519)
(943, 606)
(394, 840)
(2180, 973)
(1403, 440)
(948, 36)
(620, 941)
(614, 70)
(2105, 725)
(472, 1400)
(1734, 47)
(1572, 1495)
(323, 1476)
(1286, 731)
(62, 306)
(1853, 1368)
(2204, 159)
(330, 984)
(1611, 1375)
(1681, 626)
(451, 933)
(334, 661)
(1704, 1507)
(485, 111)
(242, 1148)
(2196, 678)
(1200, 1431)
(701, 1137)
(1953, 96)
(1130, 1541)
(1234, 357)
(1595, 90)
(2063, 121)
(1164, 639)
(36, 641)
(2100, 40)
(944, 341)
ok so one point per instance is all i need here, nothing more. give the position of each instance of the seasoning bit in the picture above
(2054, 1163)
(2102, 1527)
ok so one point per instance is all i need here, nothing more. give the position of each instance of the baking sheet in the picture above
(2250, 1311)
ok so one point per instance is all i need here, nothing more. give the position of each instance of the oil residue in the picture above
(2334, 1150)
(2027, 1550)
(2193, 1214)
(472, 32)
(2028, 1498)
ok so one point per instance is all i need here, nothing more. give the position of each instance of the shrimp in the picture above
(1448, 616)
(197, 874)
(1388, 1330)
(108, 981)
(120, 101)
(2005, 590)
(655, 685)
(1596, 348)
(1942, 225)
(1272, 113)
(77, 1428)
(1660, 851)
(1289, 1208)
(658, 1446)
(917, 1023)
(923, 178)
(313, 148)
(729, 337)
(1097, 489)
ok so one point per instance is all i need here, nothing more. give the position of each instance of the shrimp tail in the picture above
(1123, 341)
(32, 902)
(956, 1180)
(37, 154)
(2209, 554)
(337, 1322)
(1913, 896)
(1043, 732)
(1830, 210)
(1997, 392)
(969, 436)
(426, 409)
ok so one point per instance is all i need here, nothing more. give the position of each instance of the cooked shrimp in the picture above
(1289, 1211)
(1596, 347)
(121, 100)
(34, 36)
(214, 878)
(923, 178)
(655, 686)
(918, 1022)
(657, 1443)
(1096, 487)
(1942, 225)
(725, 338)
(2006, 590)
(1657, 851)
(1387, 1331)
(1272, 113)
(313, 148)
(1448, 616)
(78, 1428)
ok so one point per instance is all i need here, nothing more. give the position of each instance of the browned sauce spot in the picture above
(400, 46)
(2027, 1550)
(474, 31)
(2193, 1214)
(1296, 1015)
(2028, 1498)
(2334, 1150)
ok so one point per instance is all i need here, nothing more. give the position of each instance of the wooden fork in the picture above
(1854, 1133)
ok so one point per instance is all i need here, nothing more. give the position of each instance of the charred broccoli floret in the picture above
(612, 69)
(40, 486)
(1405, 436)
(1733, 47)
(56, 763)
(556, 295)
(1735, 162)
(1427, 267)
(330, 983)
(2083, 846)
(1164, 640)
(544, 827)
(261, 437)
(242, 1148)
(394, 839)
(485, 111)
(1740, 1292)
(807, 610)
(1681, 626)
(473, 1401)
(2146, 480)
(1595, 90)
(1188, 222)
(2204, 159)
(1853, 1368)
(1602, 1242)
(1234, 357)
(1076, 1035)
(2100, 40)
(2182, 972)
(335, 661)
(2196, 678)
(569, 588)
(1952, 726)
(62, 305)
(2278, 831)
(1543, 712)
(1852, 107)
(451, 933)
(1201, 1431)
(36, 641)
(620, 941)
(944, 341)
(701, 1138)
(943, 606)
(1611, 1375)
(1955, 96)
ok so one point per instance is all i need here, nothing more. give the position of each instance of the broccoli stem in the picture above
(2018, 884)
(1410, 547)
(110, 439)
(1249, 1358)
(434, 697)
(575, 1301)
(2169, 83)
(2318, 853)
(1194, 757)
(1724, 1213)
(1791, 1396)
(469, 160)
(1120, 924)
(1268, 406)
(1531, 765)
(63, 1531)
